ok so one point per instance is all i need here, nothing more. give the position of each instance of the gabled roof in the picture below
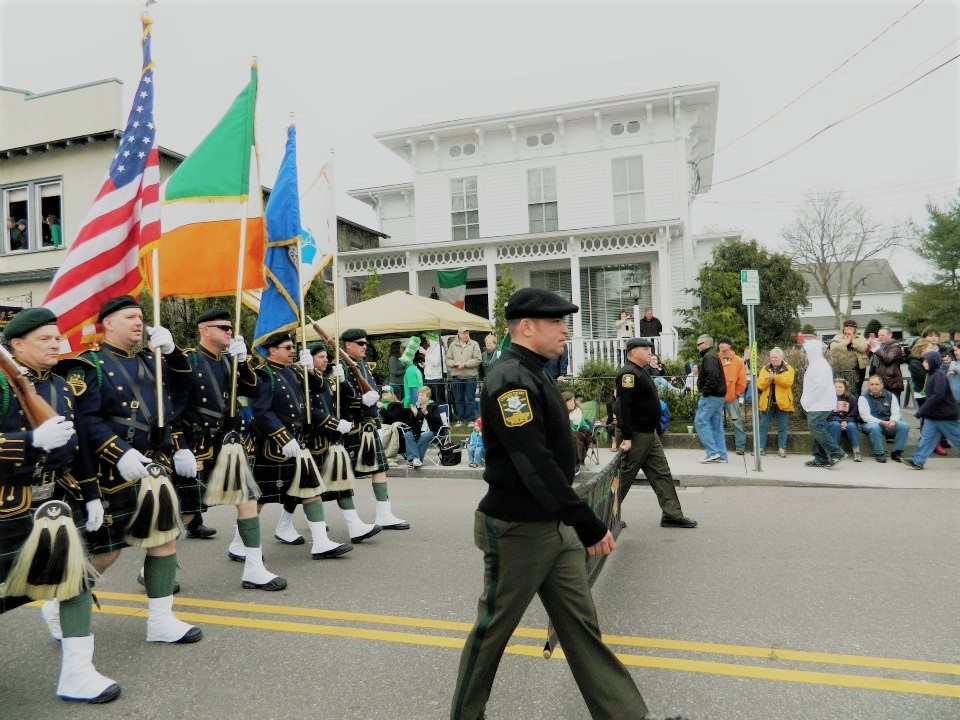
(871, 276)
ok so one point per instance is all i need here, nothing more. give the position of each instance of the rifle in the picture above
(37, 410)
(351, 363)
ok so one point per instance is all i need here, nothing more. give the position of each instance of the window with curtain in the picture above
(628, 195)
(464, 212)
(542, 199)
(604, 290)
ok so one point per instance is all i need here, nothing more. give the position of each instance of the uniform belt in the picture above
(132, 425)
(210, 413)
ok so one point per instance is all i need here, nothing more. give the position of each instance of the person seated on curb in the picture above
(880, 414)
(423, 423)
(475, 449)
(939, 412)
(843, 419)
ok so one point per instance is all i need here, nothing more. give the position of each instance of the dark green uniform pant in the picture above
(646, 453)
(546, 558)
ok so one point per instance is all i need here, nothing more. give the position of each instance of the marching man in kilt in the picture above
(118, 425)
(205, 422)
(284, 467)
(46, 568)
(328, 452)
(363, 442)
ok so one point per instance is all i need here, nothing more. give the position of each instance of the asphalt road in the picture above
(786, 603)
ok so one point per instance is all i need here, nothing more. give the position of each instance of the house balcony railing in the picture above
(612, 350)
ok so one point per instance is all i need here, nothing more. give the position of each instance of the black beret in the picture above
(114, 304)
(352, 334)
(316, 347)
(28, 320)
(215, 314)
(537, 303)
(277, 339)
(638, 342)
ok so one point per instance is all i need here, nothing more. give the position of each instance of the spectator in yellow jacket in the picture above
(775, 384)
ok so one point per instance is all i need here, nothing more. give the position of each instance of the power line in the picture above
(858, 196)
(818, 82)
(836, 123)
(935, 180)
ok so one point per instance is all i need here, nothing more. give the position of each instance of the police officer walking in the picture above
(532, 527)
(638, 420)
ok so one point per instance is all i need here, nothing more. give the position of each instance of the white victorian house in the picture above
(590, 200)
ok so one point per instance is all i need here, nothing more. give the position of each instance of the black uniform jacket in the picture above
(206, 412)
(530, 455)
(279, 409)
(22, 464)
(117, 403)
(639, 401)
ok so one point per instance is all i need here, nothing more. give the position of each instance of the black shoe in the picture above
(298, 541)
(739, 452)
(335, 552)
(897, 456)
(671, 717)
(911, 464)
(679, 522)
(111, 693)
(278, 583)
(881, 458)
(816, 463)
(200, 532)
(838, 458)
(193, 635)
(176, 583)
(235, 557)
(361, 538)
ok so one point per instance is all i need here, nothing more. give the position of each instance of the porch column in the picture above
(490, 260)
(666, 297)
(576, 347)
(413, 277)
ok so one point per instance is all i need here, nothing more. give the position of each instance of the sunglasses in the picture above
(361, 343)
(225, 328)
(285, 347)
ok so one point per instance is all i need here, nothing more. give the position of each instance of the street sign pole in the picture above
(750, 296)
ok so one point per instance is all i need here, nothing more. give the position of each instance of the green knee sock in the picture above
(346, 503)
(159, 575)
(314, 511)
(249, 529)
(76, 615)
(380, 491)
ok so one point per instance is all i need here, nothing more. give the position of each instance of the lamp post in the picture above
(433, 294)
(634, 290)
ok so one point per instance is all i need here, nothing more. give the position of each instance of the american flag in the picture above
(103, 261)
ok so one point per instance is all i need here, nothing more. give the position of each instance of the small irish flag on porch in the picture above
(453, 286)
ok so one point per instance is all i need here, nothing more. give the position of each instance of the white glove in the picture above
(131, 465)
(337, 372)
(370, 398)
(53, 433)
(306, 359)
(94, 515)
(185, 463)
(344, 426)
(238, 349)
(291, 449)
(161, 338)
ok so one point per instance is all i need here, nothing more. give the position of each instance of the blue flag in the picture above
(280, 304)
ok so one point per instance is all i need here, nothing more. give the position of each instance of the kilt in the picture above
(352, 443)
(273, 479)
(190, 491)
(14, 530)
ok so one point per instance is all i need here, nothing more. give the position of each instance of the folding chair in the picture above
(442, 437)
(593, 452)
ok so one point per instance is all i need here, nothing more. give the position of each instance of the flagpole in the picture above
(335, 249)
(157, 356)
(303, 314)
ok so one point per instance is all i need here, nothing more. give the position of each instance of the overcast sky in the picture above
(349, 69)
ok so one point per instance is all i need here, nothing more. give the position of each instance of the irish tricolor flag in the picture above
(204, 203)
(453, 286)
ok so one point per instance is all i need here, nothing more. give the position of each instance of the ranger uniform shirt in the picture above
(530, 451)
(639, 401)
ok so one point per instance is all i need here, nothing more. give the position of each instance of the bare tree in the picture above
(831, 239)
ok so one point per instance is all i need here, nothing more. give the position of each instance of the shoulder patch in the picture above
(75, 379)
(627, 380)
(515, 408)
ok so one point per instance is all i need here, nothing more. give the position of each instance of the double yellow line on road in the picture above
(759, 672)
